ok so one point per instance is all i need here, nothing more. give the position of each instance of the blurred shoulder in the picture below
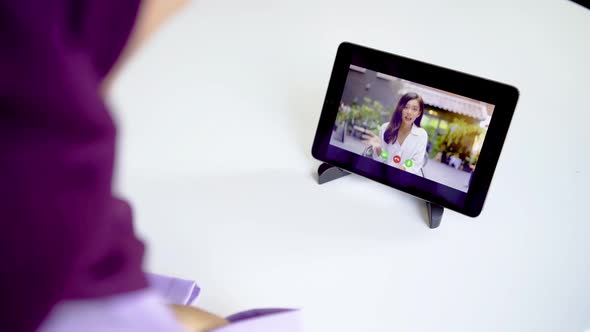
(418, 131)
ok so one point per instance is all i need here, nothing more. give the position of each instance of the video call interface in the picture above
(418, 129)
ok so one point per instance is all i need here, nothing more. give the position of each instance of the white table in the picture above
(218, 116)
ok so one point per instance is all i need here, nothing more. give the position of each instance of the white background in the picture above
(217, 117)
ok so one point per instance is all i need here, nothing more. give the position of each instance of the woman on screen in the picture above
(401, 142)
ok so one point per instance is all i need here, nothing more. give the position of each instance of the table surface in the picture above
(218, 114)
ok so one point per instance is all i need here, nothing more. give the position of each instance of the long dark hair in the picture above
(395, 123)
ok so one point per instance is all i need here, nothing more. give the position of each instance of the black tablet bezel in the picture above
(503, 97)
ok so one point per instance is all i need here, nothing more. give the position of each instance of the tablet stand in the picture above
(327, 173)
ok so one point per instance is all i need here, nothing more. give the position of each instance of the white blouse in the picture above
(410, 154)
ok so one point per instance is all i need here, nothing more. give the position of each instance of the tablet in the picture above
(429, 131)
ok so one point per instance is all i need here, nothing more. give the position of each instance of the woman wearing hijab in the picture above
(70, 258)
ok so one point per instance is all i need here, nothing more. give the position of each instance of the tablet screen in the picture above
(419, 129)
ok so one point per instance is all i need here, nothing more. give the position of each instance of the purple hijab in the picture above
(63, 234)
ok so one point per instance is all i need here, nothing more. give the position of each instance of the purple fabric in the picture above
(143, 311)
(140, 311)
(63, 234)
(174, 290)
(184, 292)
(181, 291)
